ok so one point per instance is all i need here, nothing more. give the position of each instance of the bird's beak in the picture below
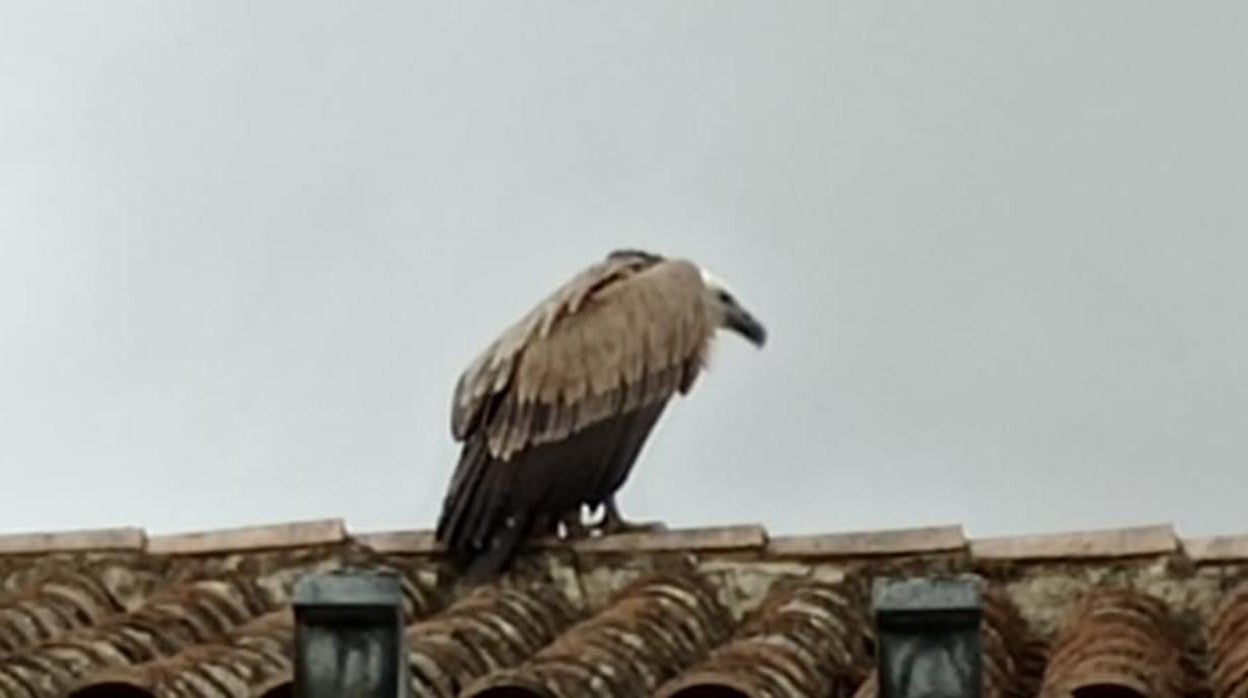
(739, 320)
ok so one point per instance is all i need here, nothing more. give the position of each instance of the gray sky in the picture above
(1000, 248)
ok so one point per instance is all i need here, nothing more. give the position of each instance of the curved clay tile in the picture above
(172, 620)
(1013, 658)
(651, 631)
(1118, 642)
(808, 638)
(59, 601)
(490, 629)
(247, 656)
(1228, 645)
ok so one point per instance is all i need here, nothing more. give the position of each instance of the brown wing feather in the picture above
(621, 335)
(491, 372)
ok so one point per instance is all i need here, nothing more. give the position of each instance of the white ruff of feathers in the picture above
(713, 281)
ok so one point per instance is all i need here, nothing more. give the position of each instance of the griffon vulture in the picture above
(554, 412)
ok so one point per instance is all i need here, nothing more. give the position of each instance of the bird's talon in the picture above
(573, 528)
(575, 531)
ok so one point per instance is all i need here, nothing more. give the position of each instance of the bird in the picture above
(553, 414)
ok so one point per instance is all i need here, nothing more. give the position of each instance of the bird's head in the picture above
(733, 315)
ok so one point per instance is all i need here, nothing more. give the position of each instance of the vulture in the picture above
(552, 415)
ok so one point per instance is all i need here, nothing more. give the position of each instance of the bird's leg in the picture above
(613, 522)
(573, 528)
(545, 525)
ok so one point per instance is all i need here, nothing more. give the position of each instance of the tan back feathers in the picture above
(629, 331)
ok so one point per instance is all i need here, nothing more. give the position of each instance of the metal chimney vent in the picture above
(928, 637)
(349, 636)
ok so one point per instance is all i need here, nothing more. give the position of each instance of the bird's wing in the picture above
(626, 332)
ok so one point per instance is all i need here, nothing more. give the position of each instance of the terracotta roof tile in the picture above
(652, 629)
(1228, 642)
(209, 612)
(900, 541)
(251, 654)
(710, 538)
(68, 541)
(287, 535)
(1120, 637)
(492, 628)
(808, 638)
(417, 542)
(172, 620)
(1217, 548)
(1121, 542)
(694, 539)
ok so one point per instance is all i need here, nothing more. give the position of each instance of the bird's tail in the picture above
(467, 513)
(500, 552)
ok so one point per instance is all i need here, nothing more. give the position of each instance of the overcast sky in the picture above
(1000, 249)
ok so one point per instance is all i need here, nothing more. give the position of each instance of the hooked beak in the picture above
(739, 320)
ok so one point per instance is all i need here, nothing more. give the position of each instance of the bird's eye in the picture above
(725, 297)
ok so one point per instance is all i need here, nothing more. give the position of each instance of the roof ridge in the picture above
(278, 535)
(103, 539)
(1111, 542)
(1217, 548)
(926, 539)
(1129, 541)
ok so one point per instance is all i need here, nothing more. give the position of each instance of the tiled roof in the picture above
(680, 614)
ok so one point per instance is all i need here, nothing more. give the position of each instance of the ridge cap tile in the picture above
(889, 541)
(1216, 548)
(1128, 541)
(729, 537)
(413, 541)
(291, 534)
(85, 539)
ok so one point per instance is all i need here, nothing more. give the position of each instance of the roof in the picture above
(727, 611)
